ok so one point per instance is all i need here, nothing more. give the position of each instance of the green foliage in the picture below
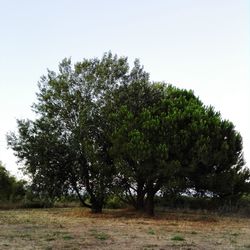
(10, 188)
(67, 146)
(151, 231)
(165, 138)
(5, 184)
(114, 202)
(103, 129)
(35, 199)
(68, 237)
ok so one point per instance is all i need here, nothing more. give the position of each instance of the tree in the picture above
(148, 125)
(5, 184)
(161, 135)
(46, 159)
(67, 145)
(10, 188)
(103, 128)
(218, 168)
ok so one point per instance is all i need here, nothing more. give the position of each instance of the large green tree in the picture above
(67, 145)
(103, 128)
(162, 135)
(150, 137)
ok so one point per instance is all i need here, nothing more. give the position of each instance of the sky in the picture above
(203, 45)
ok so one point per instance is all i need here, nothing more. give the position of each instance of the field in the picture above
(77, 228)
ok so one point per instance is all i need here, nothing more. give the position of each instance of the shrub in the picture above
(114, 202)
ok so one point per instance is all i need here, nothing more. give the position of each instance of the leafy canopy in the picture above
(103, 128)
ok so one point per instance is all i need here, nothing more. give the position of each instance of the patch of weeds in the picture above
(102, 236)
(178, 238)
(99, 235)
(151, 231)
(235, 234)
(247, 246)
(68, 237)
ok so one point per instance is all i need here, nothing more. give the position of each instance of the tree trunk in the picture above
(140, 199)
(96, 205)
(149, 206)
(140, 194)
(80, 198)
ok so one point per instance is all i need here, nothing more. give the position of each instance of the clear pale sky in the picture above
(202, 45)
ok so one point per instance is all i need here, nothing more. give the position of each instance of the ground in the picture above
(77, 228)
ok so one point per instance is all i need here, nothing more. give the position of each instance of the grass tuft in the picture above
(99, 235)
(151, 231)
(178, 238)
(68, 237)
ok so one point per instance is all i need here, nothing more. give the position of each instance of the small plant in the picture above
(178, 238)
(68, 237)
(102, 236)
(235, 234)
(151, 231)
(114, 202)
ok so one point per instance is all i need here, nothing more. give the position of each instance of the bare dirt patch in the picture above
(77, 228)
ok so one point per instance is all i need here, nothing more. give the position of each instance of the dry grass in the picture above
(77, 228)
